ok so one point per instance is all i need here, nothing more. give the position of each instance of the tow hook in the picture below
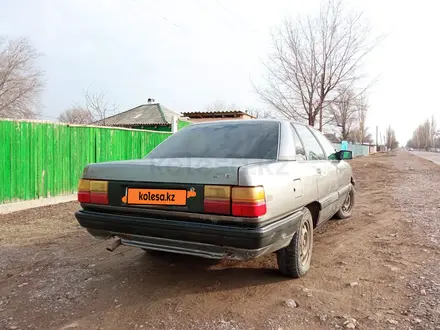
(113, 245)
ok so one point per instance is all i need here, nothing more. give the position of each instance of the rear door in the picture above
(342, 173)
(326, 172)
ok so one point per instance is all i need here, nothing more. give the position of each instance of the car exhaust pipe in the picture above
(112, 246)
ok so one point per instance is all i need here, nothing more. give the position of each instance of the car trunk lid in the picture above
(171, 184)
(171, 170)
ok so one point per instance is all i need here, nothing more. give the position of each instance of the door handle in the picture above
(318, 170)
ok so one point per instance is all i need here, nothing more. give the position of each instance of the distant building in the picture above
(151, 116)
(204, 116)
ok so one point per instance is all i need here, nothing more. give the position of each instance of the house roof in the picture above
(146, 114)
(203, 114)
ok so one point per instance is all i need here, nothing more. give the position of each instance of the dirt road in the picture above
(377, 270)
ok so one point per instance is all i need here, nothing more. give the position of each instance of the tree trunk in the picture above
(320, 119)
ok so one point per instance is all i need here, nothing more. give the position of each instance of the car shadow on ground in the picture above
(187, 274)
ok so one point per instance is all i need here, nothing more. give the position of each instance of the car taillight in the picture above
(84, 191)
(217, 199)
(93, 191)
(248, 201)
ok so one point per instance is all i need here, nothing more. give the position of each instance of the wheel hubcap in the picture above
(347, 204)
(305, 243)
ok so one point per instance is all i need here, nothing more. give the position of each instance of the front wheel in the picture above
(294, 260)
(346, 209)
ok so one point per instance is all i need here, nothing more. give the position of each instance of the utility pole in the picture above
(377, 138)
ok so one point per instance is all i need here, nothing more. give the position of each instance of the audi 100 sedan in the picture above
(234, 189)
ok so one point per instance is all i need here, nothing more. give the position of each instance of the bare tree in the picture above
(350, 114)
(261, 113)
(437, 140)
(220, 106)
(360, 136)
(76, 115)
(361, 116)
(98, 106)
(425, 135)
(314, 56)
(344, 111)
(20, 79)
(420, 139)
(432, 131)
(390, 138)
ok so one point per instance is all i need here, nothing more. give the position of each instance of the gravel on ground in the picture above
(376, 270)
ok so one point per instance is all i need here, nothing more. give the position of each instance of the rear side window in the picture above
(326, 144)
(299, 149)
(313, 149)
(256, 139)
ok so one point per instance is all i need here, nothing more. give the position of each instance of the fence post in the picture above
(174, 126)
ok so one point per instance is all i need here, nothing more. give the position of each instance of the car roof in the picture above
(244, 121)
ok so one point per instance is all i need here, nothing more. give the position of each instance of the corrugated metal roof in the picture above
(214, 112)
(146, 114)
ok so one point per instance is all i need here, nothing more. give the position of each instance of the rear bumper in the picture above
(203, 239)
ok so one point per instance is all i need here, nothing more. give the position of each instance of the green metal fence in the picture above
(40, 159)
(357, 149)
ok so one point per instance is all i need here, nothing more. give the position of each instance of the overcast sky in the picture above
(187, 54)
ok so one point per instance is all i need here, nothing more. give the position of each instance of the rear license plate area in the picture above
(151, 196)
(118, 195)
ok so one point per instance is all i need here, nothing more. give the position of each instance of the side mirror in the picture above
(344, 155)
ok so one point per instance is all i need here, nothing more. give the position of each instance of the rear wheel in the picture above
(294, 260)
(346, 209)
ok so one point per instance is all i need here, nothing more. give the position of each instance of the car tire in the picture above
(291, 259)
(346, 209)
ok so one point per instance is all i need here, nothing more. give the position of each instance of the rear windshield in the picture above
(256, 140)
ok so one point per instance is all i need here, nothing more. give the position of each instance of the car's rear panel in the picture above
(179, 185)
(174, 201)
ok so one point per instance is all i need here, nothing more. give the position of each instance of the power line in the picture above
(238, 18)
(163, 17)
(231, 14)
(220, 4)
